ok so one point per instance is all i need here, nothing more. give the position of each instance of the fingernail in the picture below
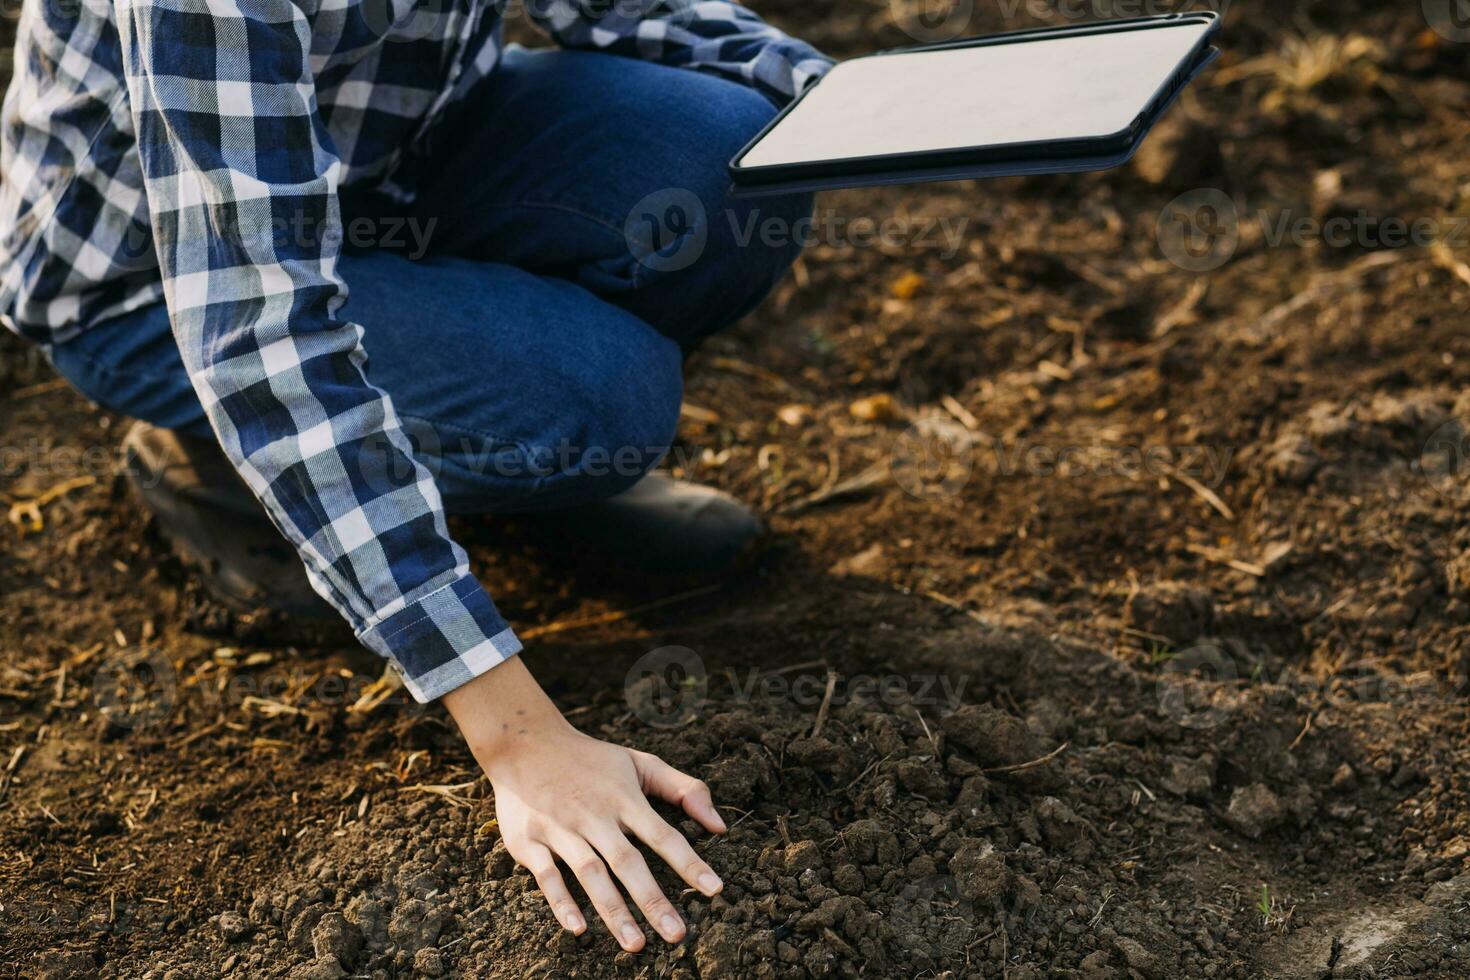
(669, 926)
(710, 883)
(574, 922)
(720, 822)
(631, 935)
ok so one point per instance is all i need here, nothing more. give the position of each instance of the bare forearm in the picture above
(501, 708)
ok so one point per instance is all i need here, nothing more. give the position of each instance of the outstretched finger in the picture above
(670, 845)
(538, 860)
(633, 872)
(599, 886)
(669, 784)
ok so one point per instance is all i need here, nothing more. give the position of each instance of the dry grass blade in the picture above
(1325, 286)
(26, 514)
(455, 793)
(960, 412)
(613, 617)
(826, 703)
(266, 707)
(1181, 312)
(694, 413)
(956, 605)
(1203, 492)
(1221, 558)
(1023, 766)
(737, 366)
(864, 482)
(1446, 260)
(55, 384)
(377, 692)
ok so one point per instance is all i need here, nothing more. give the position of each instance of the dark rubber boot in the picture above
(665, 525)
(215, 524)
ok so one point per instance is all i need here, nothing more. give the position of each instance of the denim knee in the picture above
(760, 239)
(612, 437)
(618, 416)
(705, 258)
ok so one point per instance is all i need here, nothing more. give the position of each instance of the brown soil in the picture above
(1115, 622)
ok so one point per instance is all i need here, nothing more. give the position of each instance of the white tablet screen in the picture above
(1053, 89)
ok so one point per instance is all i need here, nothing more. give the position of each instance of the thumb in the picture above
(661, 780)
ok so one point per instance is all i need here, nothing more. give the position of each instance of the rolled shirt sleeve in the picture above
(234, 157)
(716, 36)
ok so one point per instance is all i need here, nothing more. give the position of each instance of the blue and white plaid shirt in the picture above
(153, 148)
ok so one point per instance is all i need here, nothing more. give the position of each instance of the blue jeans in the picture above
(572, 238)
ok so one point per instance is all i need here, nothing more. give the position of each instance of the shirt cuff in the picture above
(444, 640)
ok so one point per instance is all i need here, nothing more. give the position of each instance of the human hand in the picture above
(560, 794)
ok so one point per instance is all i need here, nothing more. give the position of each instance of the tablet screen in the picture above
(1042, 90)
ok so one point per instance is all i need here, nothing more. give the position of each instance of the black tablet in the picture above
(1040, 101)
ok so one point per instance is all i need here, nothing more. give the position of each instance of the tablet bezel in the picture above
(1105, 147)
